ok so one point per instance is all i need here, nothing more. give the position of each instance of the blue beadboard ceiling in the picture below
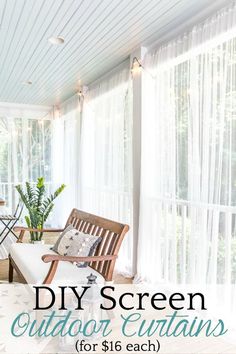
(99, 34)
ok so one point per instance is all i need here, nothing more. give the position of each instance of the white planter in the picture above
(38, 242)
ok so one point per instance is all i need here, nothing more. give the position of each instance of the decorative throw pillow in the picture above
(83, 245)
(71, 242)
(64, 240)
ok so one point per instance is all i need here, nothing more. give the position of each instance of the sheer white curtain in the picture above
(25, 152)
(188, 184)
(106, 154)
(65, 157)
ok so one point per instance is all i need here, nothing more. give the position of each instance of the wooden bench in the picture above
(102, 262)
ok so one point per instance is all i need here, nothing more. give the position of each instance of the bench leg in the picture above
(10, 274)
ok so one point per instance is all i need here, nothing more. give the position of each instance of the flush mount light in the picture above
(56, 40)
(28, 82)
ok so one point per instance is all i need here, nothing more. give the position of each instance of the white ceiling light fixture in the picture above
(56, 40)
(28, 82)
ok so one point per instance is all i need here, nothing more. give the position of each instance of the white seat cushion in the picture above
(28, 258)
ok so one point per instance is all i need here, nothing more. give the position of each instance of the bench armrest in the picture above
(55, 259)
(23, 229)
(20, 228)
(52, 258)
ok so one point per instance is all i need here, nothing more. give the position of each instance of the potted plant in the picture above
(39, 206)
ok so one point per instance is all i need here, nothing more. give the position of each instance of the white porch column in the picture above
(137, 114)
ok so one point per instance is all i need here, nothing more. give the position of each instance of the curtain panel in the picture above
(25, 153)
(106, 154)
(188, 177)
(65, 157)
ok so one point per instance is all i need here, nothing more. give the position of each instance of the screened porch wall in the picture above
(25, 154)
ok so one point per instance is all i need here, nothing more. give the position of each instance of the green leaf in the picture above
(28, 223)
(40, 182)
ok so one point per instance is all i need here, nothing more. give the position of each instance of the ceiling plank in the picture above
(99, 34)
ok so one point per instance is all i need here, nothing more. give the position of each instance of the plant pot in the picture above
(38, 242)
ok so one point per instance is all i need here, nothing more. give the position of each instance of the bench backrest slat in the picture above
(112, 234)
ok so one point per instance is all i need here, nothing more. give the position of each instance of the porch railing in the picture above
(10, 195)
